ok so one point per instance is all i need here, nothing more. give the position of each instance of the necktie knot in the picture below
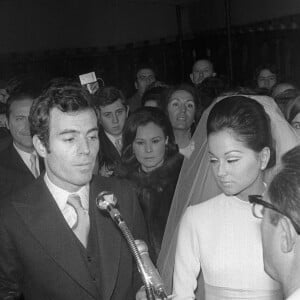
(82, 225)
(75, 201)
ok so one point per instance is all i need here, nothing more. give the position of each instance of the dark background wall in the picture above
(69, 37)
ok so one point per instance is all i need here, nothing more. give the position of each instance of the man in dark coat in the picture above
(19, 162)
(51, 248)
(113, 112)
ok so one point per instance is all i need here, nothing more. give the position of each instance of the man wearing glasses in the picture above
(280, 227)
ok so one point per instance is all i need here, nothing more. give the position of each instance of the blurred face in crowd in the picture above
(281, 88)
(237, 168)
(266, 79)
(18, 124)
(202, 69)
(149, 146)
(151, 103)
(181, 110)
(296, 123)
(144, 78)
(73, 148)
(112, 117)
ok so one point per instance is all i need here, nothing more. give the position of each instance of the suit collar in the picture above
(45, 221)
(106, 145)
(16, 160)
(13, 160)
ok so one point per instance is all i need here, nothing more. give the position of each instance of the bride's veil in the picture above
(197, 184)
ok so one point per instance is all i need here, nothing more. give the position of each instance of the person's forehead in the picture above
(202, 64)
(113, 106)
(145, 72)
(149, 130)
(182, 95)
(266, 73)
(82, 120)
(24, 103)
(281, 87)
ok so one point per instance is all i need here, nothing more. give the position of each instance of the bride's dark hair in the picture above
(248, 121)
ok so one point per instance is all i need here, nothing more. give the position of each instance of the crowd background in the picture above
(272, 41)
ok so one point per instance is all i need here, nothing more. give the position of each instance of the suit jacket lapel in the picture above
(17, 162)
(107, 147)
(44, 219)
(109, 240)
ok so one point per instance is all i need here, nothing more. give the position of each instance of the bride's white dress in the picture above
(221, 237)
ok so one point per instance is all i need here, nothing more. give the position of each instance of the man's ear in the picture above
(264, 157)
(127, 110)
(39, 146)
(136, 85)
(6, 123)
(167, 140)
(192, 77)
(214, 74)
(288, 235)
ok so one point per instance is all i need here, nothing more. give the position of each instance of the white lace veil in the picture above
(197, 184)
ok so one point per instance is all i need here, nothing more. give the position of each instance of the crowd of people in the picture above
(206, 174)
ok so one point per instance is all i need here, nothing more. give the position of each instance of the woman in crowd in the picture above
(182, 107)
(150, 159)
(221, 236)
(292, 113)
(266, 77)
(196, 182)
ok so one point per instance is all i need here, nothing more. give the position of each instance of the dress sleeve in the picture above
(187, 258)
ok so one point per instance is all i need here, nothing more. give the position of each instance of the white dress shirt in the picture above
(26, 158)
(295, 295)
(61, 196)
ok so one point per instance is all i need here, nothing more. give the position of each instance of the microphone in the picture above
(106, 201)
(151, 271)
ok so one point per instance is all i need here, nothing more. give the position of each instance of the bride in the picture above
(197, 184)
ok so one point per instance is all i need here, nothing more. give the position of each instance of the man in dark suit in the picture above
(19, 163)
(113, 112)
(55, 243)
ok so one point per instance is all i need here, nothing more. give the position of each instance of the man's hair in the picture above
(65, 98)
(108, 95)
(284, 190)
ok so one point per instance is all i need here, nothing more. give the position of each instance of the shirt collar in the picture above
(22, 153)
(113, 138)
(61, 196)
(295, 295)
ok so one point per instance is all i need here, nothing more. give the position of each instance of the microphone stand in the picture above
(117, 218)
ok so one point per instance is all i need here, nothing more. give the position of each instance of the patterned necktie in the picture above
(118, 144)
(33, 165)
(82, 227)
